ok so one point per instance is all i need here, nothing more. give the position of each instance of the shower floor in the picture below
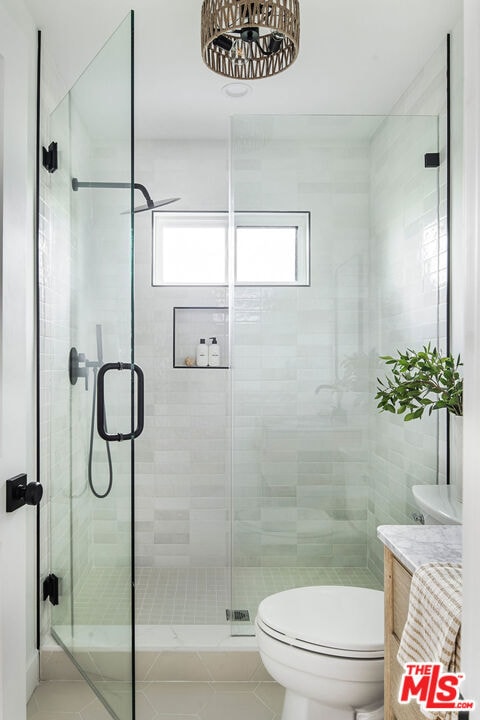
(196, 596)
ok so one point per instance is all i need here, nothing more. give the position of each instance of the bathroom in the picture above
(275, 470)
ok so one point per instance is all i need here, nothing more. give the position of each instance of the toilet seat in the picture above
(329, 620)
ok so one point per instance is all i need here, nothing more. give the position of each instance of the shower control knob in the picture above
(20, 493)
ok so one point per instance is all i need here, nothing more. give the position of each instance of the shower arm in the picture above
(76, 185)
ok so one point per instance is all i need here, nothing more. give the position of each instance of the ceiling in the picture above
(356, 57)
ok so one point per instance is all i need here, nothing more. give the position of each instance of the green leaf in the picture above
(420, 379)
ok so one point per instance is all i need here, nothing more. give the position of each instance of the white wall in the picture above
(471, 505)
(17, 537)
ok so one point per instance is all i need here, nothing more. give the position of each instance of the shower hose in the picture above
(90, 450)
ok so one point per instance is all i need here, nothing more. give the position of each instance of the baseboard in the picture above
(33, 673)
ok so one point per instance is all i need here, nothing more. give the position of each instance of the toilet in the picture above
(325, 645)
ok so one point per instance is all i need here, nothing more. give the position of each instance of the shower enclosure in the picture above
(268, 472)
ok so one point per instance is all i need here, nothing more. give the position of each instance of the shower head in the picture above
(150, 204)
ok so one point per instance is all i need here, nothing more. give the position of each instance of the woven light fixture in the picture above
(250, 39)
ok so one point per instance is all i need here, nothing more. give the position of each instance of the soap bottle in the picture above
(214, 353)
(202, 354)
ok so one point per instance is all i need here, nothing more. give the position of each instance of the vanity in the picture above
(406, 548)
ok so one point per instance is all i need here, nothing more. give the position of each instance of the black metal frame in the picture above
(37, 323)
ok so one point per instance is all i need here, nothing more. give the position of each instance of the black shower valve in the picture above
(20, 493)
(75, 359)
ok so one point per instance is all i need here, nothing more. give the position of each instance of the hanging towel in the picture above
(432, 630)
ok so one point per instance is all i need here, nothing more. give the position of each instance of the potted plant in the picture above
(421, 380)
(425, 380)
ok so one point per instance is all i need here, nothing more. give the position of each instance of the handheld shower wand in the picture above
(75, 372)
(97, 365)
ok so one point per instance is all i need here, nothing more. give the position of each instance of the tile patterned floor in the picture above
(197, 596)
(183, 596)
(163, 701)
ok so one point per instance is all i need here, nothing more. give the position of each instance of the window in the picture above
(192, 248)
(189, 249)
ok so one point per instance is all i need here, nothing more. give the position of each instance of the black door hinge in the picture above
(50, 589)
(50, 157)
(432, 160)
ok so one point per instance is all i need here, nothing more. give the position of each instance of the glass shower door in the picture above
(90, 375)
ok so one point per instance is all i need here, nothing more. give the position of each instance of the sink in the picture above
(439, 502)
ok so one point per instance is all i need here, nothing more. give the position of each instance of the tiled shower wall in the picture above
(408, 278)
(181, 471)
(300, 440)
(298, 500)
(295, 503)
(305, 488)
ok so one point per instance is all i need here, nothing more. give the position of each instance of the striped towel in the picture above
(432, 631)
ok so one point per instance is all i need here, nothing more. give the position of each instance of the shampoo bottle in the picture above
(202, 354)
(214, 353)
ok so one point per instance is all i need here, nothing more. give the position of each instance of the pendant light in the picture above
(250, 39)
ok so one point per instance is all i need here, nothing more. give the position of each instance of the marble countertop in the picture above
(415, 545)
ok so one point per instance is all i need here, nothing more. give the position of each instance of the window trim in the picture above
(268, 218)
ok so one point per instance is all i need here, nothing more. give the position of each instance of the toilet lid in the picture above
(346, 621)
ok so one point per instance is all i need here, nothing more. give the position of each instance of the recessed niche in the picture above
(190, 324)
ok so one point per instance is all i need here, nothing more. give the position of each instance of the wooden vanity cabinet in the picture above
(397, 590)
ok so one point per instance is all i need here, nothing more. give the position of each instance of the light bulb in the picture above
(238, 53)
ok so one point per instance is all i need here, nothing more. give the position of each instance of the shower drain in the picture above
(238, 615)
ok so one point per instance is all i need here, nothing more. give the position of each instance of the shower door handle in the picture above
(101, 415)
